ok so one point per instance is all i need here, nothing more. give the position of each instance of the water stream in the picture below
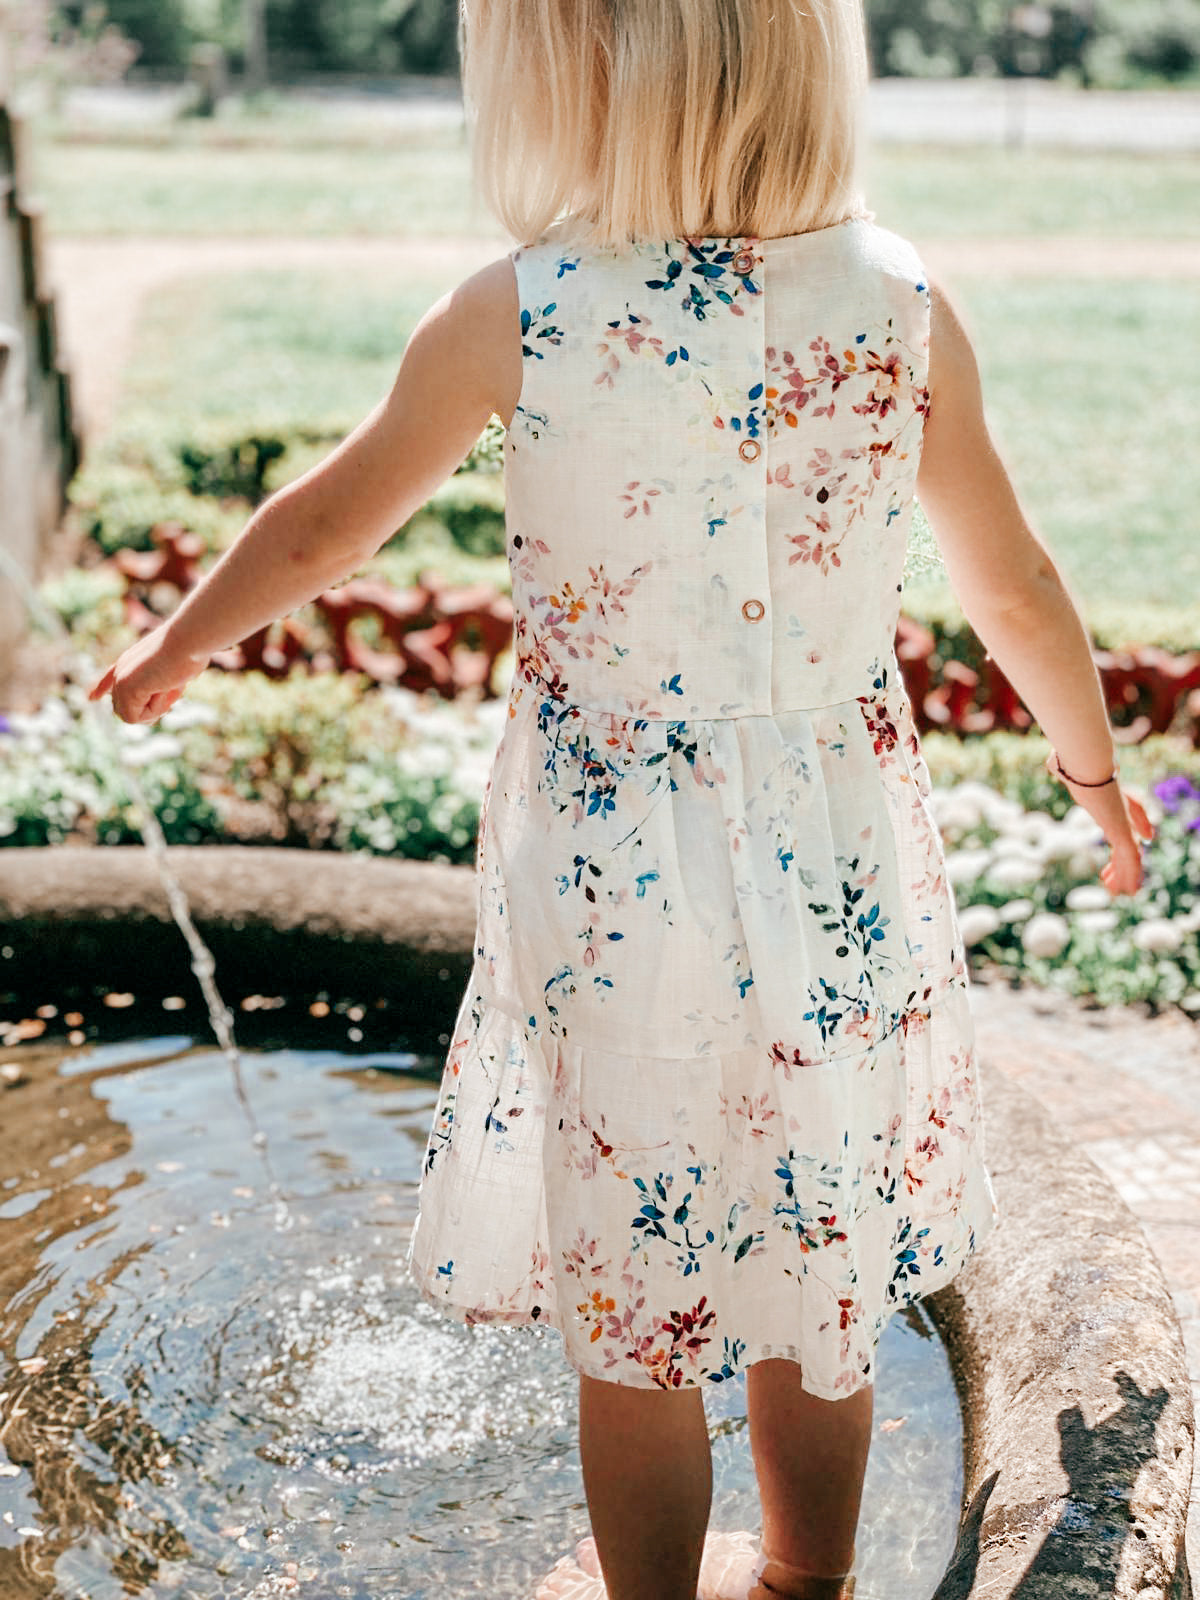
(82, 670)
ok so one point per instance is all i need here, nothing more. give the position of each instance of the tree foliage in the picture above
(1098, 41)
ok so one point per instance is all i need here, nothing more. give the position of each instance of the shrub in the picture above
(1030, 902)
(470, 506)
(335, 762)
(119, 505)
(61, 779)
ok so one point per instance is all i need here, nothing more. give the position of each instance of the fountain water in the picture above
(83, 670)
(176, 1412)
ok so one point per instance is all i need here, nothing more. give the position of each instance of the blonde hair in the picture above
(654, 119)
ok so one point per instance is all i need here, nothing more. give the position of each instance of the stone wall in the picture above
(40, 444)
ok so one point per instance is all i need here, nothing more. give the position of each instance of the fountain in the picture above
(176, 1420)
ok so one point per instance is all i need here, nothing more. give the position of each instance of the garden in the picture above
(220, 1377)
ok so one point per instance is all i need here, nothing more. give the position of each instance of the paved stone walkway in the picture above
(1127, 1086)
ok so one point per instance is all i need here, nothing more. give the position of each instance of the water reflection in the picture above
(193, 1403)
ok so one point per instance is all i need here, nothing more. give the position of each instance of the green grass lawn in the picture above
(188, 186)
(284, 179)
(293, 345)
(1082, 386)
(984, 192)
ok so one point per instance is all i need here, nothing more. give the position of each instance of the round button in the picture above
(749, 449)
(743, 262)
(753, 610)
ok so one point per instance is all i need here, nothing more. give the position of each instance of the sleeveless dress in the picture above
(711, 1093)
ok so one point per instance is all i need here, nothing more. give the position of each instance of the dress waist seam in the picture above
(565, 707)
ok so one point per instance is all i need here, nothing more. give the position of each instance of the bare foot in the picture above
(729, 1570)
(576, 1577)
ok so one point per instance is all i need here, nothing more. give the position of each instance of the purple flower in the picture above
(1175, 790)
(5, 724)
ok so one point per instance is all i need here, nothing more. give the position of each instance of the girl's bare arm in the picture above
(1013, 594)
(461, 365)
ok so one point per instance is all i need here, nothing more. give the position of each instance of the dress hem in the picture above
(761, 1350)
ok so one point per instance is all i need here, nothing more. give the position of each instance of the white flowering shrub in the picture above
(62, 778)
(318, 761)
(1064, 930)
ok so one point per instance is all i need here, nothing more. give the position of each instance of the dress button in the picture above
(749, 449)
(743, 262)
(753, 610)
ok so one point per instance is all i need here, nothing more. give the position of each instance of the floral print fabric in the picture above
(711, 1093)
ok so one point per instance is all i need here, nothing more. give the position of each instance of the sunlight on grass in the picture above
(290, 344)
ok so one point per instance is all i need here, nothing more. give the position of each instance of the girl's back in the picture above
(728, 431)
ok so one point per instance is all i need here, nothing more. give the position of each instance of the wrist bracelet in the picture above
(1063, 774)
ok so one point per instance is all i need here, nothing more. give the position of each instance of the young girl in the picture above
(710, 1104)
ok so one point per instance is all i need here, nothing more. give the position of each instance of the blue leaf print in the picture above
(673, 687)
(644, 878)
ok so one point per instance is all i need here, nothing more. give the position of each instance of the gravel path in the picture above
(99, 284)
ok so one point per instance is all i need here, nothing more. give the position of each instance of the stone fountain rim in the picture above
(1036, 1329)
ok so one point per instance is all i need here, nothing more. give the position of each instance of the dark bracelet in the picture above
(1063, 774)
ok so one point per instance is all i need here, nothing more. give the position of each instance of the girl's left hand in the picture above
(147, 678)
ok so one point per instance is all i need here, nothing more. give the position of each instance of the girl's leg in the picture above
(647, 1473)
(810, 1458)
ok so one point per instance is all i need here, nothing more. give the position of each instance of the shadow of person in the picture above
(1081, 1535)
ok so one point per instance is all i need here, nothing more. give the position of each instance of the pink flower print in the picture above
(891, 381)
(757, 1112)
(823, 553)
(915, 1021)
(821, 466)
(580, 1258)
(631, 338)
(782, 476)
(638, 497)
(780, 1058)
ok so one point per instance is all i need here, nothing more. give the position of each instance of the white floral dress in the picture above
(711, 1092)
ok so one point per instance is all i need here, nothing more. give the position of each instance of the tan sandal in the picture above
(734, 1566)
(777, 1579)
